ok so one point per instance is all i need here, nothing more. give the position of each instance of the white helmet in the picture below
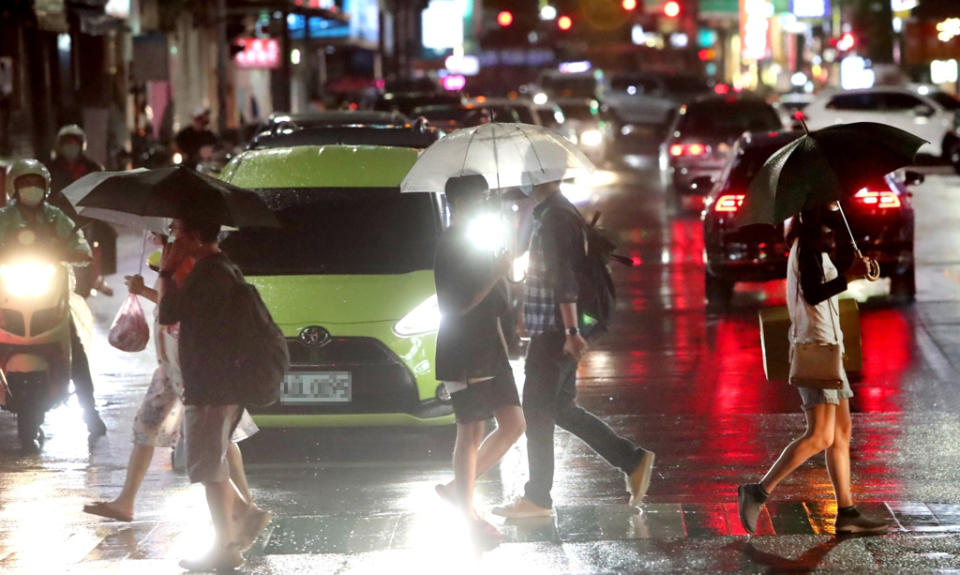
(71, 130)
(25, 167)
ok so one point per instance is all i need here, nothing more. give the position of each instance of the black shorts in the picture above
(480, 400)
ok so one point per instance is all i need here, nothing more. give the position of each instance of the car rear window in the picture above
(726, 119)
(340, 231)
(861, 101)
(944, 99)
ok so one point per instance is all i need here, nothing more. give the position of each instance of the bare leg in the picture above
(465, 463)
(838, 456)
(510, 426)
(221, 496)
(818, 436)
(237, 474)
(140, 457)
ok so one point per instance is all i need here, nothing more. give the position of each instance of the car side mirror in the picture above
(702, 183)
(923, 111)
(912, 178)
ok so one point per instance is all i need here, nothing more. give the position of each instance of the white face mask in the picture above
(70, 151)
(31, 196)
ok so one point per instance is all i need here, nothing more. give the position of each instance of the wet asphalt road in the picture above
(683, 382)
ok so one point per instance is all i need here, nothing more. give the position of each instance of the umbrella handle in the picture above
(873, 267)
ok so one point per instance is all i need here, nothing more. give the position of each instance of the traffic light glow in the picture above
(564, 23)
(505, 18)
(671, 9)
(629, 4)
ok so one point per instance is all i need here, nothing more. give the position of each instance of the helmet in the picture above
(72, 131)
(20, 168)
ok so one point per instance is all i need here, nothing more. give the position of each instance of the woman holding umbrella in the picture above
(813, 284)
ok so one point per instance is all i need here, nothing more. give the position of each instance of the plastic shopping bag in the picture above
(129, 331)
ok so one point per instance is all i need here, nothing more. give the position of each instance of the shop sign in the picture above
(754, 28)
(258, 53)
(810, 8)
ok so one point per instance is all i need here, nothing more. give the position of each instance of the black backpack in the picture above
(262, 358)
(596, 301)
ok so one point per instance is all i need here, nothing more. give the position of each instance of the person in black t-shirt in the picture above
(472, 356)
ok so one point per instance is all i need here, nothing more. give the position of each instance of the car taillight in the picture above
(677, 150)
(880, 199)
(728, 203)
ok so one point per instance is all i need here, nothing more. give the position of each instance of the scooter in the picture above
(35, 318)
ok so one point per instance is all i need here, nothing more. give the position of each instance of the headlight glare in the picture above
(27, 279)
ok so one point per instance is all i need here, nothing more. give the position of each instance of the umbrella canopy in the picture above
(825, 166)
(177, 192)
(506, 155)
(79, 189)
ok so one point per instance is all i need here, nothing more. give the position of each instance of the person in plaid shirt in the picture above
(557, 248)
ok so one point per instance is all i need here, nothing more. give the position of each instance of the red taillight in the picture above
(728, 203)
(677, 150)
(882, 199)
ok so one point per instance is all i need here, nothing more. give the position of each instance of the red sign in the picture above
(258, 53)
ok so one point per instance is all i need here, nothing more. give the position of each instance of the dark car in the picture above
(880, 215)
(701, 138)
(455, 116)
(417, 135)
(406, 102)
(277, 123)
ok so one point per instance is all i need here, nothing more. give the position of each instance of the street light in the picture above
(671, 9)
(629, 5)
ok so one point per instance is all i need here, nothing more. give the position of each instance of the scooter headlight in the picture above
(424, 318)
(27, 279)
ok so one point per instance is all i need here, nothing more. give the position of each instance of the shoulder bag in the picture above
(816, 364)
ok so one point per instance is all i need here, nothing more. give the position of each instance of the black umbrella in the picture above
(826, 166)
(178, 192)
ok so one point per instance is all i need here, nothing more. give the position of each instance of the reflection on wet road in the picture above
(684, 382)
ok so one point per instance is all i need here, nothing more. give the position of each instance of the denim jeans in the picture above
(549, 399)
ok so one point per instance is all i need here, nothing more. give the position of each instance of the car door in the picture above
(912, 114)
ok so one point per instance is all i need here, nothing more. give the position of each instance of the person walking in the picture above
(158, 423)
(472, 358)
(813, 284)
(557, 248)
(212, 410)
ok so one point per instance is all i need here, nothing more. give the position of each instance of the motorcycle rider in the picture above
(28, 184)
(69, 163)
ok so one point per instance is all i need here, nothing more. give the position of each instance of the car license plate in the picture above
(317, 387)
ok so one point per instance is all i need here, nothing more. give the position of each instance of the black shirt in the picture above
(201, 306)
(469, 343)
(190, 140)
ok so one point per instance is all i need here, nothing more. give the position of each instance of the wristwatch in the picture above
(572, 331)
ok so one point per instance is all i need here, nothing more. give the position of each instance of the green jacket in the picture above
(52, 219)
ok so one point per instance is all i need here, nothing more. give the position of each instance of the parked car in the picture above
(349, 279)
(880, 215)
(701, 138)
(928, 113)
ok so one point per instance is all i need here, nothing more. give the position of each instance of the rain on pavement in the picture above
(684, 382)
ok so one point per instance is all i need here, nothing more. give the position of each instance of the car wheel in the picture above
(903, 286)
(718, 291)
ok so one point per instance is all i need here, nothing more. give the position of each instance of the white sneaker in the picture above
(522, 507)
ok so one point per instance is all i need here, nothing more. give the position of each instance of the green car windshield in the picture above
(340, 231)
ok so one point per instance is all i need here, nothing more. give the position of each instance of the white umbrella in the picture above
(506, 155)
(77, 190)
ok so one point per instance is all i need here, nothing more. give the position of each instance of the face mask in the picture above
(31, 196)
(70, 151)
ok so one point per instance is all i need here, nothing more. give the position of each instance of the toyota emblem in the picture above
(315, 335)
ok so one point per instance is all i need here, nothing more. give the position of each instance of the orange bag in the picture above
(129, 331)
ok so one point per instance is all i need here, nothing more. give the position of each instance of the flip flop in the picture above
(103, 509)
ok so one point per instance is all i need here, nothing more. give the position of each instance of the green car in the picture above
(349, 280)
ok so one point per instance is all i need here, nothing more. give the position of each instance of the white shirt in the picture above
(819, 323)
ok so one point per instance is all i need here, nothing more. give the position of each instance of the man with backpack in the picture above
(564, 271)
(207, 306)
